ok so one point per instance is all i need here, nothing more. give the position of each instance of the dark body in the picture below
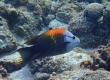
(50, 43)
(42, 46)
(49, 46)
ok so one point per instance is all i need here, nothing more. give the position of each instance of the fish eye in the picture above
(73, 37)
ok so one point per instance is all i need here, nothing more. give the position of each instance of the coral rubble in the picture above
(80, 74)
(101, 57)
(59, 63)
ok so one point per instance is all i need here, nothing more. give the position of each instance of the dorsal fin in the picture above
(31, 41)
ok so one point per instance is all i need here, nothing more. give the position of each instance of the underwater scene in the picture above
(54, 39)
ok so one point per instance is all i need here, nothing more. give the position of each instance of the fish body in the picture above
(50, 43)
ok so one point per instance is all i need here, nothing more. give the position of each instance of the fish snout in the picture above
(77, 39)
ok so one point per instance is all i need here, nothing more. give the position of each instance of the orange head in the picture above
(56, 31)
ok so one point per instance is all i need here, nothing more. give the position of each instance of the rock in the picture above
(49, 18)
(4, 75)
(45, 5)
(66, 12)
(27, 17)
(59, 63)
(5, 79)
(8, 12)
(56, 4)
(56, 24)
(41, 76)
(91, 1)
(3, 71)
(10, 66)
(7, 40)
(21, 31)
(101, 57)
(34, 7)
(80, 74)
(13, 14)
(91, 33)
(3, 10)
(106, 16)
(29, 23)
(12, 61)
(84, 30)
(93, 12)
(22, 1)
(17, 2)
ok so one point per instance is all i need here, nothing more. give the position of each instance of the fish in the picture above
(53, 42)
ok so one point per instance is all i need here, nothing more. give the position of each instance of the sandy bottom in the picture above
(22, 74)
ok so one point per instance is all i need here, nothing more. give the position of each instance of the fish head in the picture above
(70, 40)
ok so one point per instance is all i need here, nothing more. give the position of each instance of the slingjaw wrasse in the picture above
(50, 43)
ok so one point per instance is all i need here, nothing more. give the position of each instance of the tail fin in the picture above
(26, 54)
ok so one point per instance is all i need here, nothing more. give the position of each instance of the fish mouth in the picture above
(67, 42)
(77, 39)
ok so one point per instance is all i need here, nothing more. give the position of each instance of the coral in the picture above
(13, 14)
(66, 12)
(7, 40)
(56, 24)
(21, 31)
(3, 71)
(59, 63)
(86, 64)
(55, 5)
(34, 7)
(49, 18)
(22, 74)
(41, 76)
(93, 12)
(3, 10)
(45, 5)
(84, 30)
(92, 33)
(16, 2)
(45, 65)
(23, 1)
(18, 60)
(101, 57)
(26, 17)
(81, 74)
(29, 23)
(106, 16)
(9, 66)
(90, 1)
(11, 62)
